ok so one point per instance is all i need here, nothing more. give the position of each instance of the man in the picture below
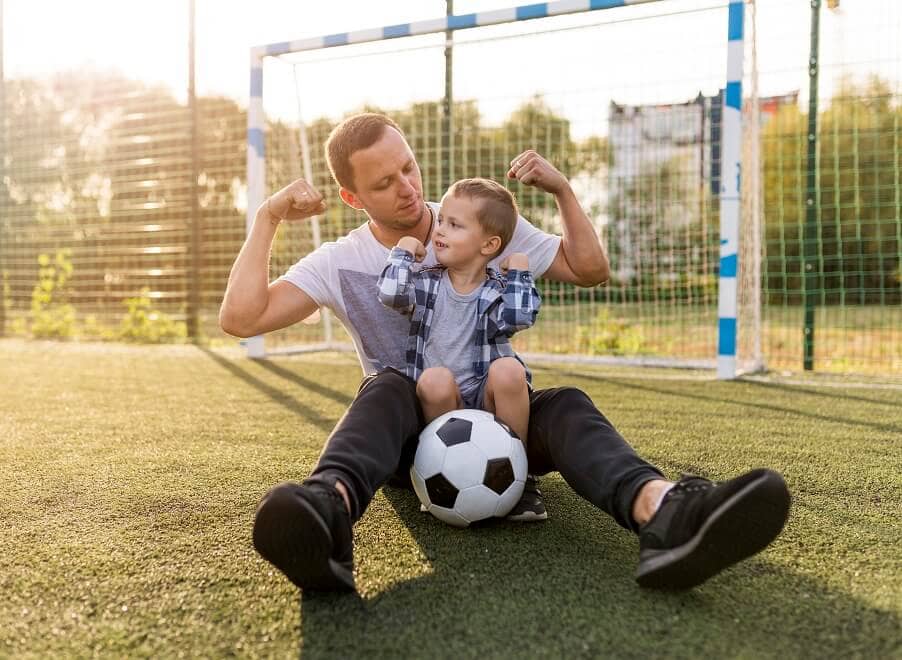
(688, 531)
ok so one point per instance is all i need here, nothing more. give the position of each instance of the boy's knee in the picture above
(507, 374)
(436, 383)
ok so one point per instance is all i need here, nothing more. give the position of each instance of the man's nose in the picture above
(407, 188)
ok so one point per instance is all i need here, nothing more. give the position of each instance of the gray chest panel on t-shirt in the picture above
(383, 332)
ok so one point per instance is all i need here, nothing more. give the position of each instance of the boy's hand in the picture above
(515, 261)
(414, 246)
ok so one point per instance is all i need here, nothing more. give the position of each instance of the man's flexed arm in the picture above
(581, 259)
(252, 306)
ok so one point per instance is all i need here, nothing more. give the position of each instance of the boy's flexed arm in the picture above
(396, 287)
(520, 300)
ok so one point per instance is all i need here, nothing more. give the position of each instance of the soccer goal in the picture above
(638, 102)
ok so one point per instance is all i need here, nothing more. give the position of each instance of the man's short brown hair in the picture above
(496, 212)
(350, 136)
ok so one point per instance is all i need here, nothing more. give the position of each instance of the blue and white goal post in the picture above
(725, 356)
(730, 199)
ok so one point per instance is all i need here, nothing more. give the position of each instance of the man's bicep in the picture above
(287, 305)
(560, 270)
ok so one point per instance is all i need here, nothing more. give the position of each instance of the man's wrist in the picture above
(274, 220)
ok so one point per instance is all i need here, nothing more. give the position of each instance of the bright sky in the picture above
(628, 60)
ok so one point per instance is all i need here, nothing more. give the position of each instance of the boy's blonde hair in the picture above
(496, 212)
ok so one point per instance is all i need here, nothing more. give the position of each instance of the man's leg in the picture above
(568, 434)
(305, 529)
(689, 531)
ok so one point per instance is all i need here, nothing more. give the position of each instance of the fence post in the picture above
(2, 183)
(448, 102)
(194, 271)
(809, 242)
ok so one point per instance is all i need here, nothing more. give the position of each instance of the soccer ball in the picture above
(468, 466)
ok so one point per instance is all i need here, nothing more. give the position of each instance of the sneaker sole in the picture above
(742, 526)
(528, 516)
(302, 550)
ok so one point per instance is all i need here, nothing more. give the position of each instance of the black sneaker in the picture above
(531, 506)
(305, 532)
(702, 528)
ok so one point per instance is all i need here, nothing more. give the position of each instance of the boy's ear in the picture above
(491, 246)
(350, 198)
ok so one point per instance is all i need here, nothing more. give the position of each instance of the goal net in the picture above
(637, 119)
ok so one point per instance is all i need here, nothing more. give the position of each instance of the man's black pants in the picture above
(376, 439)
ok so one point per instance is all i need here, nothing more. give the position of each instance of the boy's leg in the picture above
(507, 394)
(305, 530)
(438, 392)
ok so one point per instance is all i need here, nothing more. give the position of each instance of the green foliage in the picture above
(142, 324)
(52, 317)
(92, 329)
(608, 335)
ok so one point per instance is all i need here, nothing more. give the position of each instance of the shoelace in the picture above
(689, 483)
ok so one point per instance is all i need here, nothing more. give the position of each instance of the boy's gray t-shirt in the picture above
(451, 333)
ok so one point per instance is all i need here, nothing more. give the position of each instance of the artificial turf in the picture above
(131, 475)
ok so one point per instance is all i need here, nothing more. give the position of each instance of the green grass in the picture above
(131, 476)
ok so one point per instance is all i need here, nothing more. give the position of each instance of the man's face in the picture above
(458, 238)
(388, 183)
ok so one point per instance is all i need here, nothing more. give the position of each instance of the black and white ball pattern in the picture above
(468, 467)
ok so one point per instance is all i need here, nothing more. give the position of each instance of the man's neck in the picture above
(389, 236)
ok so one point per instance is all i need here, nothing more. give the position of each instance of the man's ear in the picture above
(491, 246)
(349, 198)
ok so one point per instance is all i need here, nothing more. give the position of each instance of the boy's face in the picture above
(458, 238)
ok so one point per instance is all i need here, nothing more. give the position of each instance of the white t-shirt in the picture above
(342, 276)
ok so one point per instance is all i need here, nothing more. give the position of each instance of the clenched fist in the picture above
(296, 201)
(531, 169)
(414, 246)
(516, 261)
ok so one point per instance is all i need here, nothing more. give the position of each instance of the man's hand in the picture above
(295, 201)
(515, 261)
(414, 246)
(531, 169)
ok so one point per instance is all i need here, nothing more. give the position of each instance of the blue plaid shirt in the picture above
(504, 306)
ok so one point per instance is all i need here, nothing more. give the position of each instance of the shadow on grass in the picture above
(682, 394)
(311, 385)
(842, 395)
(283, 399)
(565, 588)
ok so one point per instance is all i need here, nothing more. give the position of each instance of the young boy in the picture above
(463, 314)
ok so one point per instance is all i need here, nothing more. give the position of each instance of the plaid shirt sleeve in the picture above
(396, 283)
(519, 303)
